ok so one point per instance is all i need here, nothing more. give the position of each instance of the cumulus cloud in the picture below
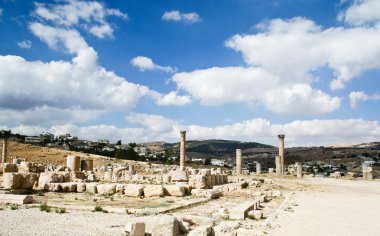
(216, 86)
(315, 132)
(173, 98)
(25, 44)
(192, 17)
(90, 15)
(147, 64)
(293, 49)
(65, 91)
(357, 97)
(361, 12)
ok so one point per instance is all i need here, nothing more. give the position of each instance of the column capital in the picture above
(281, 136)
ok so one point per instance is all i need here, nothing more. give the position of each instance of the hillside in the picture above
(216, 147)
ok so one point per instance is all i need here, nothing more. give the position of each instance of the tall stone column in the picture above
(258, 168)
(5, 135)
(4, 154)
(73, 162)
(281, 151)
(239, 160)
(182, 155)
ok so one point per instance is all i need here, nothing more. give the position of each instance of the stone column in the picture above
(281, 151)
(73, 162)
(299, 170)
(182, 155)
(239, 160)
(278, 165)
(5, 146)
(258, 168)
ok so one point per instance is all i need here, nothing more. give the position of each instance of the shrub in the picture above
(14, 207)
(60, 210)
(45, 207)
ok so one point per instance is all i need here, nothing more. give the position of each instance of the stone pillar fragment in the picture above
(73, 162)
(281, 151)
(182, 156)
(239, 160)
(258, 168)
(299, 170)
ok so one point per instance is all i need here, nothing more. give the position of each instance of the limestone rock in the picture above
(15, 199)
(53, 187)
(81, 187)
(255, 214)
(69, 187)
(106, 189)
(12, 180)
(91, 188)
(175, 190)
(133, 190)
(154, 191)
(226, 228)
(49, 177)
(201, 231)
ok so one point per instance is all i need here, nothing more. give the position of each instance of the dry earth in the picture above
(331, 207)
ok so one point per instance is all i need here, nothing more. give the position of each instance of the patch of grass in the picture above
(99, 208)
(60, 210)
(45, 207)
(41, 193)
(14, 207)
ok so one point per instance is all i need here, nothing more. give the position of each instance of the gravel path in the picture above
(333, 207)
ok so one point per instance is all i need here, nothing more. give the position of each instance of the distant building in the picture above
(33, 139)
(217, 162)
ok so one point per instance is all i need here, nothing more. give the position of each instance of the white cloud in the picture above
(361, 12)
(293, 49)
(357, 97)
(155, 127)
(173, 98)
(179, 16)
(216, 86)
(90, 15)
(25, 44)
(146, 64)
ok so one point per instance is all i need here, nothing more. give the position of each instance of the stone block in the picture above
(15, 199)
(91, 188)
(49, 177)
(53, 187)
(120, 188)
(154, 191)
(29, 180)
(133, 190)
(81, 187)
(201, 231)
(240, 212)
(8, 167)
(69, 187)
(162, 225)
(12, 180)
(106, 189)
(136, 229)
(175, 190)
(226, 228)
(255, 214)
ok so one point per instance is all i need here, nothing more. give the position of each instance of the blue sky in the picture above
(140, 70)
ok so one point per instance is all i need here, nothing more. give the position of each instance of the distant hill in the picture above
(371, 145)
(216, 146)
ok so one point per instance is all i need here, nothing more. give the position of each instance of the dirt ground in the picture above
(330, 207)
